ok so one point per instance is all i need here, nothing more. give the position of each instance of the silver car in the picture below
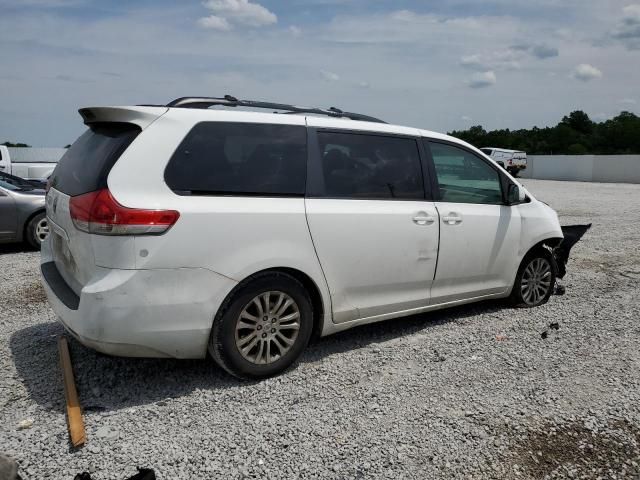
(22, 211)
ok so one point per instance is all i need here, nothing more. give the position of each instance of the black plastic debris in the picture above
(143, 474)
(572, 234)
(553, 326)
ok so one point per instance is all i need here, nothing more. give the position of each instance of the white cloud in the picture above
(510, 58)
(586, 72)
(497, 60)
(238, 12)
(329, 76)
(364, 85)
(466, 118)
(295, 31)
(482, 79)
(628, 29)
(215, 23)
(627, 101)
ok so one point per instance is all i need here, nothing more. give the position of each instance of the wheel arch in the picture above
(547, 244)
(317, 299)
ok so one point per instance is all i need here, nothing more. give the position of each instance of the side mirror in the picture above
(515, 194)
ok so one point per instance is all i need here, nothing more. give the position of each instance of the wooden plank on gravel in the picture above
(74, 412)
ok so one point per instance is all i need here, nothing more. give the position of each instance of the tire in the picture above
(37, 230)
(514, 172)
(537, 268)
(248, 348)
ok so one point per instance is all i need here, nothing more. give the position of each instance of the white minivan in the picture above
(182, 229)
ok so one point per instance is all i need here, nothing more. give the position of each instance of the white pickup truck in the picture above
(512, 160)
(28, 162)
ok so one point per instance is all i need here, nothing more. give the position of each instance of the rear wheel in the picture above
(534, 281)
(262, 329)
(37, 230)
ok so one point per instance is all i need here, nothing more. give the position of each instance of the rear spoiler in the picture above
(141, 116)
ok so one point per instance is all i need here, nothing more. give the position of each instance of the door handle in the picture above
(423, 219)
(452, 219)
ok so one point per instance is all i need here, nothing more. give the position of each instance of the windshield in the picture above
(11, 182)
(7, 185)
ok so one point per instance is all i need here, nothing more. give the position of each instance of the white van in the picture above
(179, 229)
(514, 161)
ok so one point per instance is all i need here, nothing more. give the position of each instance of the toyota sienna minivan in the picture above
(245, 229)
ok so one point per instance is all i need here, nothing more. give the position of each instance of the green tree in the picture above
(579, 121)
(9, 144)
(575, 134)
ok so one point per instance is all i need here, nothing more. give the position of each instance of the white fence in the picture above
(584, 168)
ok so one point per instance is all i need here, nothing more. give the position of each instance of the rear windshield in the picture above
(87, 163)
(218, 158)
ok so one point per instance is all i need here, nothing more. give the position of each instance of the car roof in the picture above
(193, 114)
(144, 115)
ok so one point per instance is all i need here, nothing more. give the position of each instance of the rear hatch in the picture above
(519, 159)
(83, 169)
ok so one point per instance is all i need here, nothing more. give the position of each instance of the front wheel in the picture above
(37, 230)
(534, 281)
(262, 329)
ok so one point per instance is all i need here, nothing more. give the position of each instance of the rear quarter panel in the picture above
(234, 236)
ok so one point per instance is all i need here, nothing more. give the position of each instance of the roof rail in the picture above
(229, 101)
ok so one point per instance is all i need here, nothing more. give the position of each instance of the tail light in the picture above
(98, 212)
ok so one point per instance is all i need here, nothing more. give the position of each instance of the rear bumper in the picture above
(140, 313)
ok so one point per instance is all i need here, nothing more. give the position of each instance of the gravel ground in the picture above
(473, 392)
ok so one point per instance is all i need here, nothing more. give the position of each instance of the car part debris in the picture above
(572, 234)
(552, 326)
(74, 413)
(143, 474)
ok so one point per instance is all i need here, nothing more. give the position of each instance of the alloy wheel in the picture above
(42, 230)
(536, 281)
(267, 327)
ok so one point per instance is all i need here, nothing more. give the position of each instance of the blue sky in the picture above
(440, 65)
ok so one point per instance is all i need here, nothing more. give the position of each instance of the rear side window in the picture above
(85, 166)
(218, 158)
(370, 166)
